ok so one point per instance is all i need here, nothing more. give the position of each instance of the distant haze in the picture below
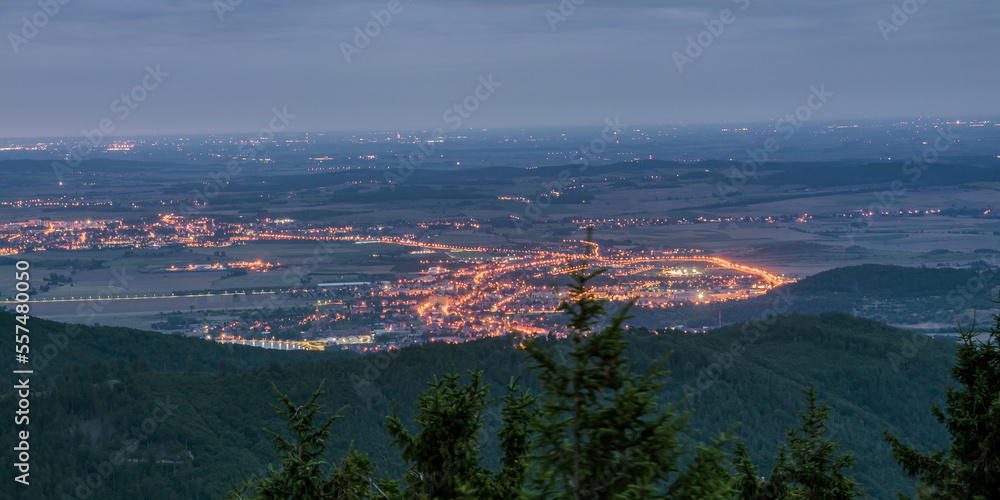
(225, 66)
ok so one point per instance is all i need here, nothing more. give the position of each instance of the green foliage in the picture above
(886, 281)
(106, 383)
(969, 469)
(892, 294)
(808, 466)
(601, 431)
(749, 483)
(515, 441)
(445, 453)
(302, 475)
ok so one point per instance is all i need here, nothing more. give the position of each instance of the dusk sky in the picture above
(63, 72)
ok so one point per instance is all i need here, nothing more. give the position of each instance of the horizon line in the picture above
(978, 118)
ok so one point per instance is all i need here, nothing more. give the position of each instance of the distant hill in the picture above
(43, 173)
(892, 294)
(882, 173)
(814, 175)
(188, 415)
(885, 281)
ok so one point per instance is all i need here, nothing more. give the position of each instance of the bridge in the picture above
(284, 345)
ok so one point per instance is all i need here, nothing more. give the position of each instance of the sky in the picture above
(231, 66)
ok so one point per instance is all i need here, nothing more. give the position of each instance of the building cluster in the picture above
(512, 292)
(465, 292)
(154, 233)
(507, 292)
(57, 202)
(625, 222)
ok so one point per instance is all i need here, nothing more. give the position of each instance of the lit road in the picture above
(143, 297)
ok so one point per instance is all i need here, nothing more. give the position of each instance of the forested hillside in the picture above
(891, 294)
(147, 416)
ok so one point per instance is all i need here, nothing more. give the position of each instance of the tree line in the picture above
(596, 429)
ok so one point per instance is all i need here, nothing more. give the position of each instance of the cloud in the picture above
(607, 58)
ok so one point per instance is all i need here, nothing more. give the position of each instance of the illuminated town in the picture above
(515, 293)
(203, 232)
(469, 248)
(459, 294)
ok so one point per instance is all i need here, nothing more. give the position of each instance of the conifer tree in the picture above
(445, 453)
(807, 466)
(808, 463)
(749, 483)
(969, 469)
(518, 417)
(602, 432)
(303, 474)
